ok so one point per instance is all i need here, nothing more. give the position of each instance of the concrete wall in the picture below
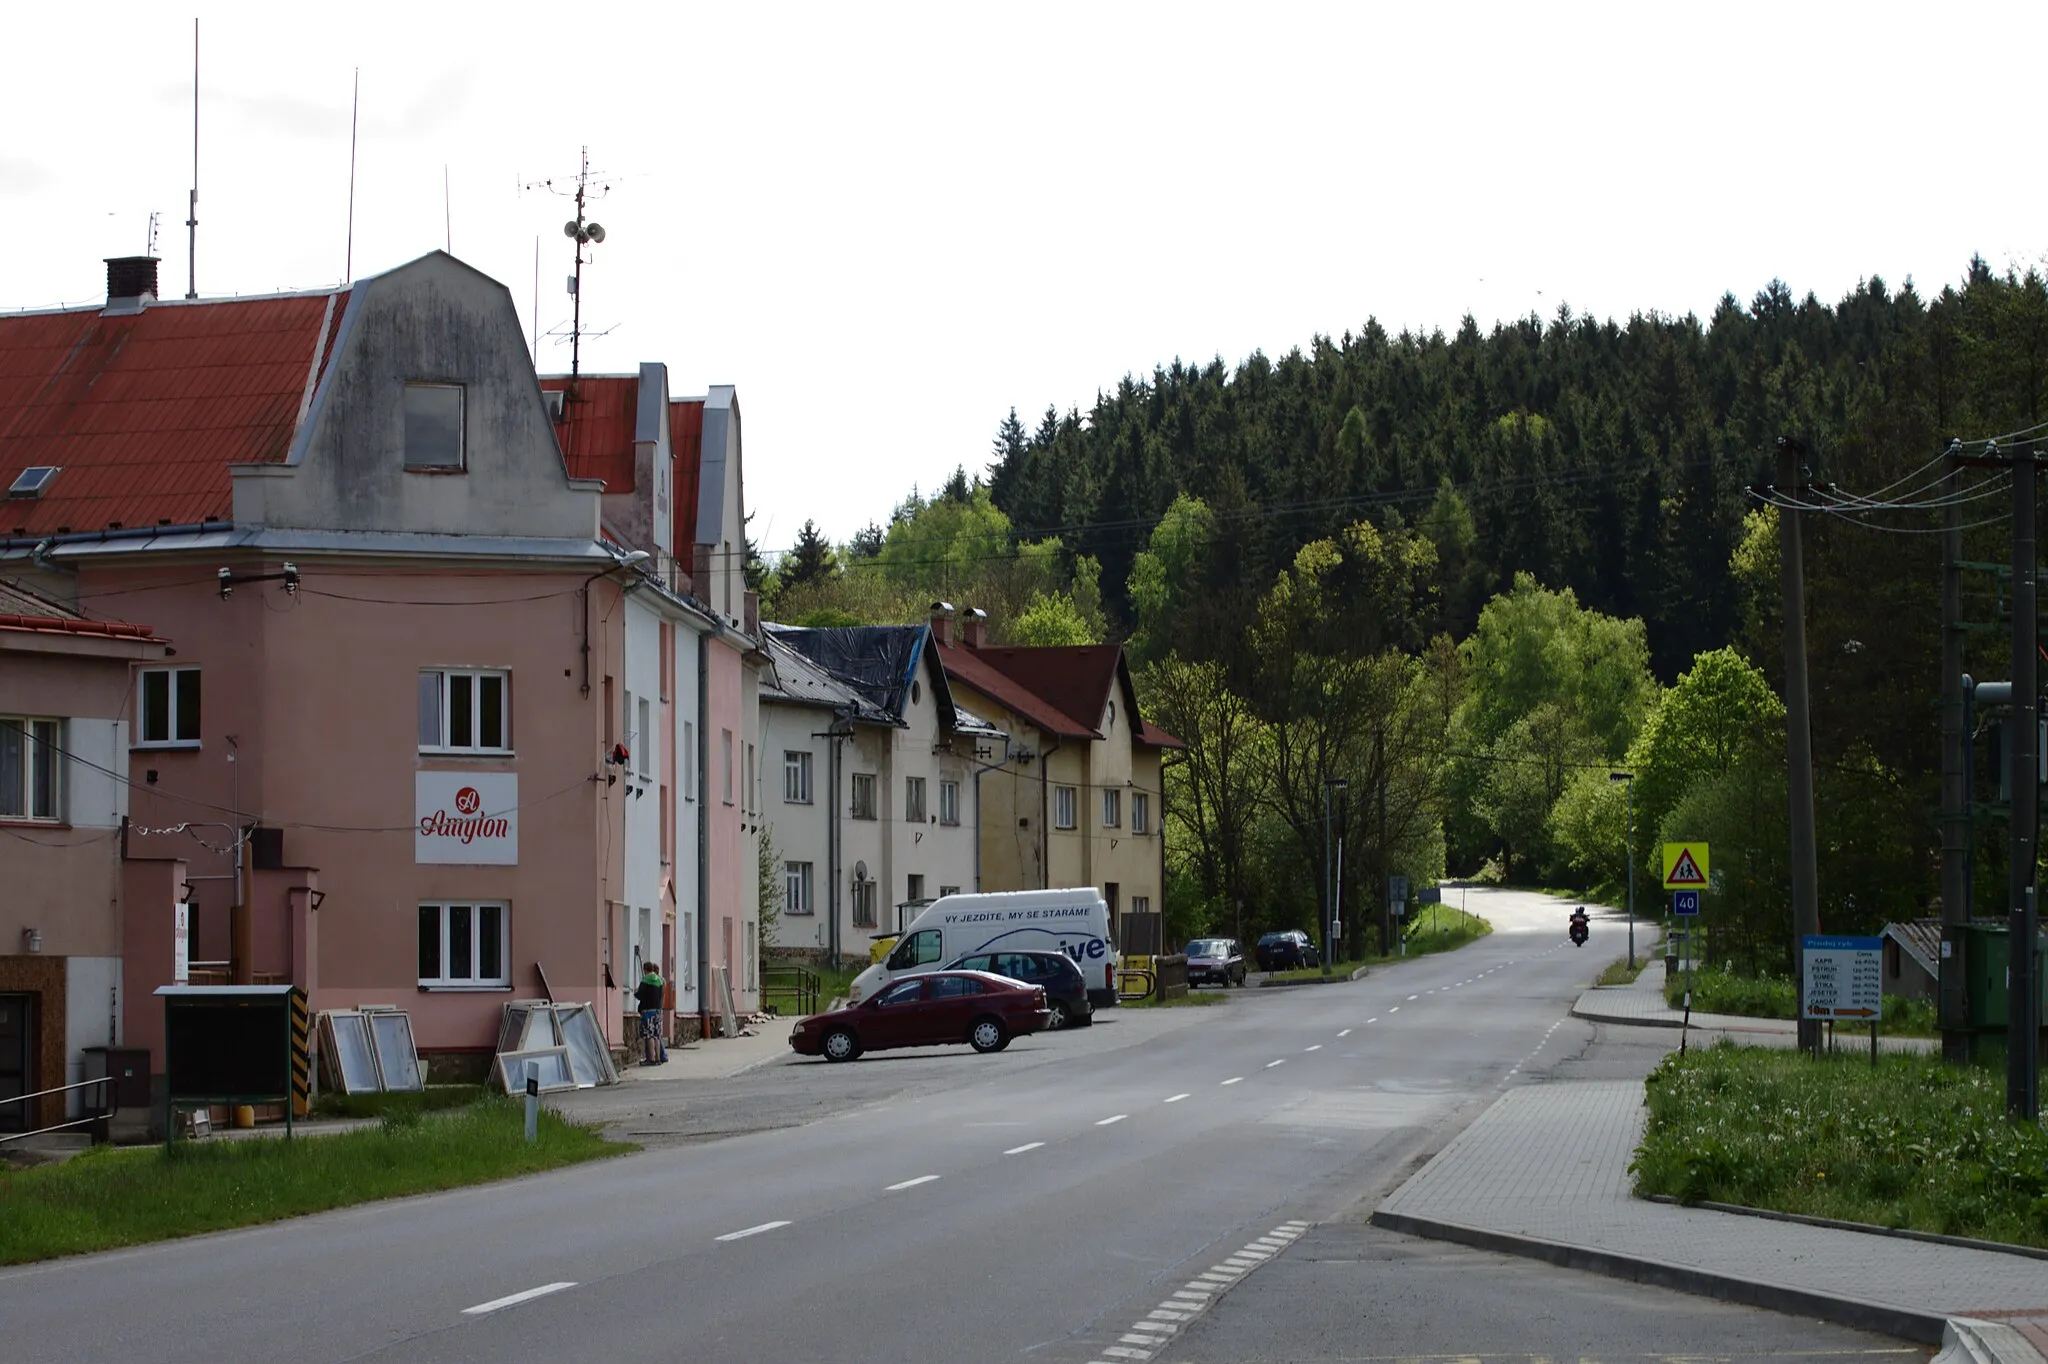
(434, 320)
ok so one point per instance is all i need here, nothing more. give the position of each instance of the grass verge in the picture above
(1193, 999)
(778, 995)
(1718, 991)
(1909, 1143)
(1432, 928)
(432, 1099)
(1621, 973)
(114, 1196)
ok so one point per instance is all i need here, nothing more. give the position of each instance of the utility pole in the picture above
(2022, 1017)
(1798, 726)
(1956, 1042)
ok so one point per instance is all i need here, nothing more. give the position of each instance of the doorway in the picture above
(17, 1060)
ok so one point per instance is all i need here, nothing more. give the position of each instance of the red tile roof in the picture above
(1054, 686)
(142, 415)
(596, 434)
(24, 610)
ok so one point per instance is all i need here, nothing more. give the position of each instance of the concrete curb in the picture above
(1639, 1021)
(1969, 1341)
(1924, 1328)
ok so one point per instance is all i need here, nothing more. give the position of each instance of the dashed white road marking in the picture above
(1233, 1079)
(1176, 1098)
(1397, 1008)
(1317, 1047)
(1372, 1020)
(1345, 1033)
(1027, 1146)
(1281, 1062)
(750, 1231)
(1118, 1118)
(912, 1183)
(1413, 998)
(509, 1299)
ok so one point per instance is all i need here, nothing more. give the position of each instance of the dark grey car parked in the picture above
(1066, 989)
(1286, 950)
(1215, 961)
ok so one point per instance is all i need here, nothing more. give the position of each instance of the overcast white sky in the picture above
(888, 224)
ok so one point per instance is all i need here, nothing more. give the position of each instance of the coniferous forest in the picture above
(1475, 575)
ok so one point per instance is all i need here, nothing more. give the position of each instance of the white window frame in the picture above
(750, 797)
(862, 781)
(797, 888)
(1112, 809)
(725, 742)
(475, 981)
(1141, 904)
(944, 891)
(643, 741)
(40, 740)
(796, 777)
(461, 461)
(913, 800)
(477, 677)
(1141, 812)
(864, 904)
(1063, 802)
(949, 802)
(175, 683)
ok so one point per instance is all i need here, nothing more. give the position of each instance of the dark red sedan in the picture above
(941, 1008)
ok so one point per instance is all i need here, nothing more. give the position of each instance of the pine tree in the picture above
(811, 561)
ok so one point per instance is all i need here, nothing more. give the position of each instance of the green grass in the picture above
(123, 1196)
(779, 998)
(432, 1099)
(1193, 999)
(1621, 973)
(1716, 990)
(1432, 928)
(1908, 1143)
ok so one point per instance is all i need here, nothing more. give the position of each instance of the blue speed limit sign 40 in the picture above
(1685, 902)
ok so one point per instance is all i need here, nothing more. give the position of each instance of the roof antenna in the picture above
(447, 213)
(583, 233)
(348, 268)
(192, 203)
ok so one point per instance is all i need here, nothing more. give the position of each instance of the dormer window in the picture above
(32, 481)
(433, 427)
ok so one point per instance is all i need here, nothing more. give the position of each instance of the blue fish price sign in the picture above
(1685, 903)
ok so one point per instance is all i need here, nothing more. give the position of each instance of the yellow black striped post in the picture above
(302, 1055)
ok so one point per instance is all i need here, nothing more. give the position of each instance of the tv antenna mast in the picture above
(582, 232)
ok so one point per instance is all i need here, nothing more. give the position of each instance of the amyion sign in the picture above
(466, 817)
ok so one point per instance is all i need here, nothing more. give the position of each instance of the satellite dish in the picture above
(596, 231)
(569, 228)
(860, 871)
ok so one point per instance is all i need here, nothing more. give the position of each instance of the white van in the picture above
(1072, 921)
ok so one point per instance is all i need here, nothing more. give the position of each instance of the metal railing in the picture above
(798, 984)
(108, 1108)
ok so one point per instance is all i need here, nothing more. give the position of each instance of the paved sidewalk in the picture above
(1544, 1173)
(715, 1058)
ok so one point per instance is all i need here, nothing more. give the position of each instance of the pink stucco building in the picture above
(440, 720)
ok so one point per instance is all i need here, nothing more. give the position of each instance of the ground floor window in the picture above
(863, 904)
(463, 945)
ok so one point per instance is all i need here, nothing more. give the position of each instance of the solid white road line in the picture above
(495, 1303)
(1176, 1098)
(1027, 1146)
(1107, 1121)
(750, 1231)
(1233, 1080)
(912, 1183)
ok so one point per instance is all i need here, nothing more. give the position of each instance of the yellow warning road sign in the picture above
(1685, 866)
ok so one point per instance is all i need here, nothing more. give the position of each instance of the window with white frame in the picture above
(863, 795)
(433, 426)
(1112, 809)
(796, 777)
(30, 768)
(464, 710)
(643, 741)
(689, 782)
(913, 800)
(687, 956)
(465, 946)
(725, 761)
(1141, 904)
(949, 802)
(1141, 813)
(750, 798)
(1062, 807)
(796, 888)
(944, 891)
(170, 707)
(863, 904)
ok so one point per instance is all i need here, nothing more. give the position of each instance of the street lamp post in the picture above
(1329, 897)
(1628, 781)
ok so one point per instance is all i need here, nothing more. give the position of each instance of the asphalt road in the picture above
(1167, 1174)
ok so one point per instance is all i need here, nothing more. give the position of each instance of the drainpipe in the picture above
(703, 835)
(1045, 814)
(981, 770)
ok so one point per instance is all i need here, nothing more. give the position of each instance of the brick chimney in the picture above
(974, 627)
(942, 623)
(129, 280)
